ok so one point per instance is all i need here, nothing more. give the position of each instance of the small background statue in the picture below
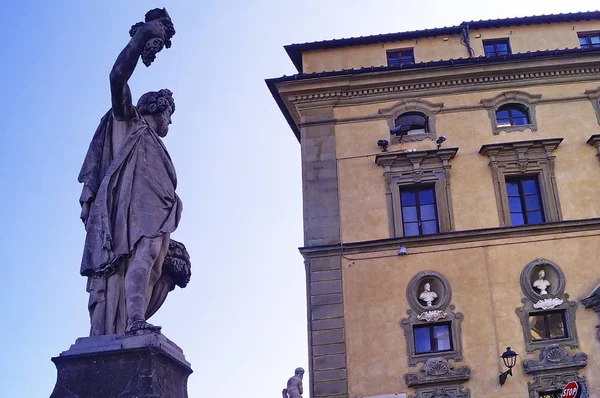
(294, 385)
(428, 296)
(541, 284)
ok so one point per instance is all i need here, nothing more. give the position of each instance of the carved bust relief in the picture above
(547, 315)
(432, 328)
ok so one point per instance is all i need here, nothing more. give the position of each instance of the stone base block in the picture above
(139, 365)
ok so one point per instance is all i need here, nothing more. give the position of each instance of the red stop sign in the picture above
(571, 390)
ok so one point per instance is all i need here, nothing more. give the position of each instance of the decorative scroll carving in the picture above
(552, 382)
(554, 369)
(548, 304)
(437, 370)
(593, 302)
(555, 357)
(442, 392)
(432, 316)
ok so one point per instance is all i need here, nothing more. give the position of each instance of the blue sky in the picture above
(242, 320)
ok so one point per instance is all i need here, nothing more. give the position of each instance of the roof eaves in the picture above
(440, 63)
(286, 113)
(295, 51)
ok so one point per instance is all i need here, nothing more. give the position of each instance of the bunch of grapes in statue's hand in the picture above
(158, 30)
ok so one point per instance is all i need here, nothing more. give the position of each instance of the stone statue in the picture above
(294, 385)
(541, 284)
(428, 296)
(129, 204)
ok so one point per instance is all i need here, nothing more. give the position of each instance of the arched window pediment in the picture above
(512, 111)
(413, 117)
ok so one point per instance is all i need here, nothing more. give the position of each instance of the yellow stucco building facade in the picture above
(451, 207)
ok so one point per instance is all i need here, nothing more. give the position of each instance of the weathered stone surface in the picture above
(141, 365)
(326, 287)
(327, 311)
(329, 349)
(324, 324)
(331, 387)
(328, 336)
(328, 362)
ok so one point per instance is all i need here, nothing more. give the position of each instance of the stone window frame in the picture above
(594, 97)
(554, 369)
(440, 312)
(532, 300)
(416, 168)
(524, 158)
(429, 109)
(522, 98)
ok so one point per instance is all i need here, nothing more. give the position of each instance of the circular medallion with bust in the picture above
(129, 204)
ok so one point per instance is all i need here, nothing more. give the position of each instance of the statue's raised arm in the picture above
(147, 39)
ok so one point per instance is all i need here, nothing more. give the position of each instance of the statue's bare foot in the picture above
(142, 325)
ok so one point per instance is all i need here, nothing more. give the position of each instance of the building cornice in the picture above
(293, 95)
(466, 236)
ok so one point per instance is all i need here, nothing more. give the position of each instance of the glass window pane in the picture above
(428, 213)
(532, 202)
(502, 47)
(595, 39)
(409, 214)
(502, 115)
(517, 112)
(429, 227)
(408, 198)
(520, 121)
(534, 217)
(422, 340)
(512, 188)
(584, 40)
(516, 219)
(530, 186)
(411, 229)
(514, 204)
(537, 327)
(441, 335)
(426, 196)
(488, 48)
(556, 325)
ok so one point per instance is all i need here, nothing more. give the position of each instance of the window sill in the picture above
(511, 129)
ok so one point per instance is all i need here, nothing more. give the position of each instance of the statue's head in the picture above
(427, 287)
(542, 274)
(157, 108)
(299, 372)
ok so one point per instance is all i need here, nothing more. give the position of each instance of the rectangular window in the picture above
(419, 214)
(432, 338)
(496, 47)
(400, 57)
(524, 201)
(548, 325)
(589, 40)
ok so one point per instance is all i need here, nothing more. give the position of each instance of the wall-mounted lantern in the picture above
(510, 359)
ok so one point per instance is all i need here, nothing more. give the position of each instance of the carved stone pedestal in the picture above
(142, 365)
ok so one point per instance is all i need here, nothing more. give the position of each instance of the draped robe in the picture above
(131, 189)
